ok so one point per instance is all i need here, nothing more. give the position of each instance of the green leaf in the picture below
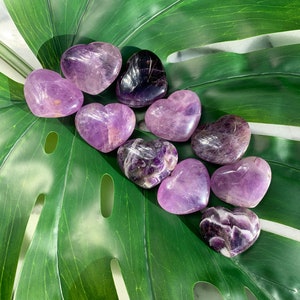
(45, 165)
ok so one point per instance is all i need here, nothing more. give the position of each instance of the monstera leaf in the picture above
(93, 221)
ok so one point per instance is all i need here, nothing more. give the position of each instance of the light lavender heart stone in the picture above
(105, 127)
(176, 117)
(186, 190)
(229, 232)
(92, 67)
(147, 163)
(222, 142)
(49, 95)
(243, 183)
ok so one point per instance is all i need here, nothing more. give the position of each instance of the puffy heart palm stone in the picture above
(187, 189)
(147, 163)
(49, 95)
(92, 67)
(176, 117)
(143, 81)
(105, 127)
(229, 232)
(222, 142)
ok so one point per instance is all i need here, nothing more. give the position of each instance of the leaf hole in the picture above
(51, 142)
(206, 290)
(107, 193)
(249, 294)
(118, 280)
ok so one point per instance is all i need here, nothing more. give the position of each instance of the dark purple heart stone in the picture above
(143, 81)
(147, 163)
(229, 232)
(222, 142)
(187, 189)
(92, 67)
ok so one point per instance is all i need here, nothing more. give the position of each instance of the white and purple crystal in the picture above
(176, 117)
(92, 67)
(143, 81)
(147, 163)
(187, 189)
(243, 183)
(222, 142)
(48, 95)
(229, 232)
(105, 127)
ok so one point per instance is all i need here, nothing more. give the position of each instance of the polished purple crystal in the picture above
(92, 67)
(147, 163)
(187, 189)
(229, 232)
(222, 142)
(105, 127)
(143, 81)
(175, 118)
(243, 183)
(49, 95)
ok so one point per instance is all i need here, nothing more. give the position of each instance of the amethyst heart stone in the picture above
(147, 163)
(143, 81)
(49, 95)
(229, 232)
(175, 118)
(186, 190)
(243, 183)
(105, 127)
(222, 142)
(92, 67)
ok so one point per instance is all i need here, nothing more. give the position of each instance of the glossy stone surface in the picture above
(48, 95)
(187, 189)
(147, 163)
(222, 142)
(229, 232)
(243, 183)
(105, 127)
(176, 117)
(92, 67)
(143, 81)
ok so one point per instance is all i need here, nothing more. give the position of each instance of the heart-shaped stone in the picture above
(229, 232)
(243, 183)
(187, 189)
(49, 95)
(176, 117)
(222, 142)
(143, 81)
(147, 163)
(92, 67)
(105, 127)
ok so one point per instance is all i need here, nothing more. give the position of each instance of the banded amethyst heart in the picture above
(176, 117)
(222, 142)
(243, 183)
(147, 163)
(48, 95)
(229, 232)
(187, 189)
(105, 127)
(143, 81)
(92, 67)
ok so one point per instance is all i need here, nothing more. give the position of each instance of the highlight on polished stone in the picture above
(243, 183)
(48, 95)
(147, 163)
(222, 142)
(92, 67)
(176, 117)
(229, 232)
(187, 189)
(105, 127)
(143, 81)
